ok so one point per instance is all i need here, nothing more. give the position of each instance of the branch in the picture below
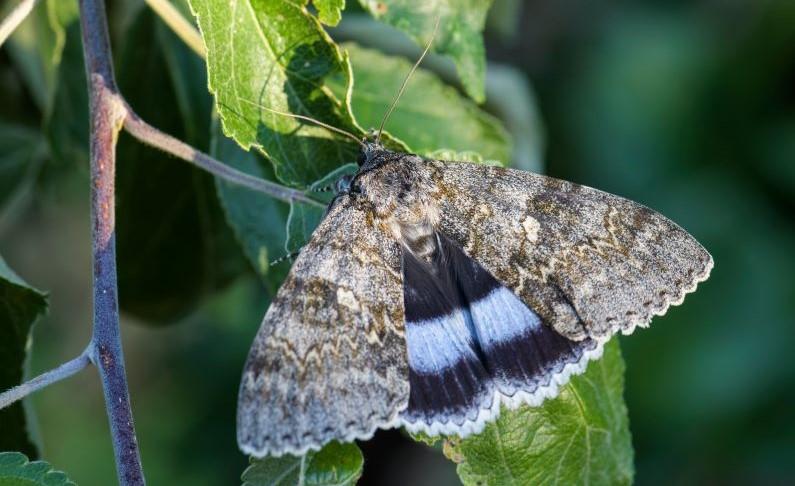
(45, 379)
(152, 136)
(106, 117)
(184, 29)
(17, 15)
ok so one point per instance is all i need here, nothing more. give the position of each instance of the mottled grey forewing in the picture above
(590, 263)
(329, 361)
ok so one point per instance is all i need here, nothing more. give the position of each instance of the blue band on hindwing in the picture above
(472, 342)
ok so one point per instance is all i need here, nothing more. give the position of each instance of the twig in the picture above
(150, 135)
(106, 117)
(15, 17)
(45, 379)
(184, 29)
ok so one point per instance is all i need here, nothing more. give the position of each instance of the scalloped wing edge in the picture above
(662, 308)
(392, 422)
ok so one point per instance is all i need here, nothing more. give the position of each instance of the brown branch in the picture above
(106, 119)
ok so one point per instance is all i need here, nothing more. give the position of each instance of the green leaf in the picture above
(335, 465)
(61, 13)
(173, 244)
(28, 48)
(258, 221)
(15, 470)
(274, 54)
(429, 116)
(36, 47)
(20, 306)
(66, 118)
(460, 34)
(301, 222)
(580, 437)
(20, 147)
(329, 11)
(266, 229)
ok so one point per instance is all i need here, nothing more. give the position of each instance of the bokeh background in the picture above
(686, 106)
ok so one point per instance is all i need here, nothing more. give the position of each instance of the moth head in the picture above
(369, 157)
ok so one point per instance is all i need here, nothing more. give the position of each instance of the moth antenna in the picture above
(309, 119)
(282, 258)
(322, 189)
(406, 80)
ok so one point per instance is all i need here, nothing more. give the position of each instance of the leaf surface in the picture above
(16, 470)
(267, 230)
(20, 154)
(274, 54)
(460, 34)
(335, 465)
(258, 222)
(580, 437)
(173, 244)
(329, 11)
(430, 115)
(301, 222)
(20, 306)
(66, 115)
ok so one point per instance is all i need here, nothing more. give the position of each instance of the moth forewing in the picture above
(329, 361)
(590, 263)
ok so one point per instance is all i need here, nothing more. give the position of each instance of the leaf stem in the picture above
(107, 114)
(45, 379)
(177, 22)
(15, 17)
(150, 135)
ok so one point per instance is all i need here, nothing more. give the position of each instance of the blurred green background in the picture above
(688, 107)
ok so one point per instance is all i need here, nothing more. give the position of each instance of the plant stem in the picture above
(106, 118)
(45, 379)
(152, 136)
(15, 17)
(184, 29)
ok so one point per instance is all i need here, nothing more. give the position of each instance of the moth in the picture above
(433, 292)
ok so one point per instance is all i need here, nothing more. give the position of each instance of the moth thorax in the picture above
(420, 239)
